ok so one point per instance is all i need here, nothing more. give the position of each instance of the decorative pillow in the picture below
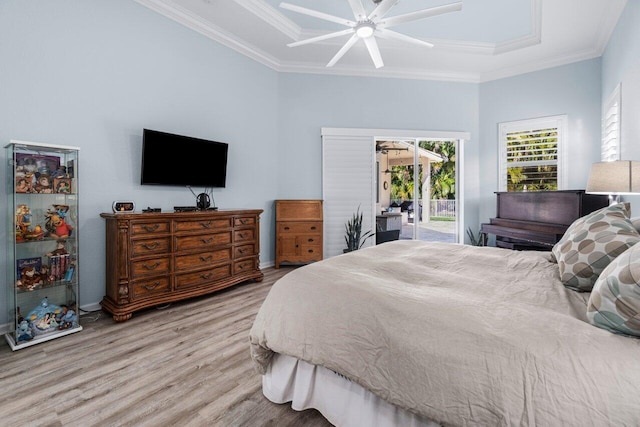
(591, 243)
(615, 300)
(636, 223)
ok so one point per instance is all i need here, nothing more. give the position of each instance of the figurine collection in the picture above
(45, 318)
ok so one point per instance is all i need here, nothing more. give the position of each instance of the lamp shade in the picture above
(618, 177)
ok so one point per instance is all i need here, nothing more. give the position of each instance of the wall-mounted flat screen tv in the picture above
(169, 159)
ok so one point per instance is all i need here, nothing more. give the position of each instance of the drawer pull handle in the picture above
(241, 250)
(242, 235)
(150, 246)
(151, 267)
(310, 240)
(313, 227)
(151, 228)
(206, 224)
(206, 276)
(243, 221)
(240, 266)
(205, 259)
(310, 251)
(151, 287)
(287, 228)
(205, 241)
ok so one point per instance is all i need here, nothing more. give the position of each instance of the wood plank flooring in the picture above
(187, 365)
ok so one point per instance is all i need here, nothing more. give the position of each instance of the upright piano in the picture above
(537, 220)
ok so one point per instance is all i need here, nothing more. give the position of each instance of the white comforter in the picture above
(458, 334)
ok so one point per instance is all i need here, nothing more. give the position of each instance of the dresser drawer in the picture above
(156, 266)
(300, 227)
(202, 241)
(244, 235)
(310, 251)
(298, 210)
(239, 222)
(244, 250)
(150, 246)
(244, 266)
(144, 228)
(187, 280)
(203, 224)
(202, 259)
(151, 287)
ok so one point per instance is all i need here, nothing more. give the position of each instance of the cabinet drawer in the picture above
(202, 259)
(203, 224)
(244, 266)
(146, 267)
(300, 227)
(150, 246)
(249, 220)
(309, 239)
(201, 277)
(155, 286)
(244, 235)
(243, 251)
(156, 227)
(311, 251)
(202, 241)
(298, 210)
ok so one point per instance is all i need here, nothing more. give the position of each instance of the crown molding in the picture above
(272, 16)
(386, 72)
(537, 65)
(190, 20)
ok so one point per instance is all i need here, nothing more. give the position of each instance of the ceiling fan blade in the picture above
(323, 37)
(382, 9)
(348, 45)
(388, 34)
(374, 52)
(316, 14)
(358, 10)
(421, 14)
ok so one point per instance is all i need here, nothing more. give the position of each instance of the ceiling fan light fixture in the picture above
(365, 29)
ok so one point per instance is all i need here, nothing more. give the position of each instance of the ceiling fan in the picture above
(365, 26)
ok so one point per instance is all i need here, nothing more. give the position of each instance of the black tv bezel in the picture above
(219, 183)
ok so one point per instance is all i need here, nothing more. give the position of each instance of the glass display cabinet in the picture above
(42, 242)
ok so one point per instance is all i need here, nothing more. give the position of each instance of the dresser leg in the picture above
(122, 317)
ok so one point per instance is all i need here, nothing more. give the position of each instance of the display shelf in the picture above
(42, 282)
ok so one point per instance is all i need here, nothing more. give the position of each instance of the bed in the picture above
(444, 334)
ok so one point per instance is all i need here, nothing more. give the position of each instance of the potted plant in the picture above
(353, 232)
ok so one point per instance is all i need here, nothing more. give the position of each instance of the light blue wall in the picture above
(93, 74)
(621, 64)
(310, 102)
(572, 89)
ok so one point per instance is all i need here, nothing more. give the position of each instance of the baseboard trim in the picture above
(4, 328)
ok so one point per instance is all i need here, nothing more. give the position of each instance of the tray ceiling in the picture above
(488, 39)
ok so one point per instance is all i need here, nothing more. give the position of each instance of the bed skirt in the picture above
(342, 402)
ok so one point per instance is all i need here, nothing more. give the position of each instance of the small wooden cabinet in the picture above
(156, 258)
(298, 231)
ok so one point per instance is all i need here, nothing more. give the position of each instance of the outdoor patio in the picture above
(433, 231)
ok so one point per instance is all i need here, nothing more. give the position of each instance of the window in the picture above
(611, 127)
(531, 154)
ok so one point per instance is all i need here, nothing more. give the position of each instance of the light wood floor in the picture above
(186, 365)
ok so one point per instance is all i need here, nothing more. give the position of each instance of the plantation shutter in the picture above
(348, 182)
(531, 154)
(611, 127)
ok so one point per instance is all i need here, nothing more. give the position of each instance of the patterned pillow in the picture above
(636, 223)
(591, 243)
(615, 300)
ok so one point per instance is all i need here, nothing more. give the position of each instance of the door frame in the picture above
(375, 134)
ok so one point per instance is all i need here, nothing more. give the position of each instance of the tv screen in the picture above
(169, 159)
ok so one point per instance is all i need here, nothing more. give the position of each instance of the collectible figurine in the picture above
(55, 223)
(60, 249)
(67, 319)
(23, 184)
(23, 221)
(62, 185)
(61, 172)
(24, 332)
(43, 184)
(29, 279)
(43, 317)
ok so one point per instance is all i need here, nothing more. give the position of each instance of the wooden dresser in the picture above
(298, 231)
(156, 258)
